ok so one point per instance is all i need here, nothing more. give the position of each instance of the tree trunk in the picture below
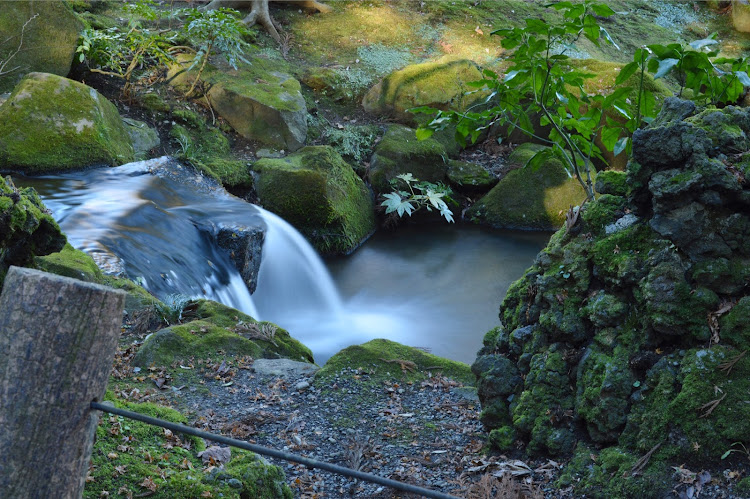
(58, 338)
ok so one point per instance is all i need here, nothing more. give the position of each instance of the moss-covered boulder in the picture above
(399, 152)
(51, 123)
(76, 264)
(535, 197)
(440, 84)
(631, 324)
(317, 192)
(120, 462)
(260, 102)
(383, 359)
(26, 228)
(50, 34)
(143, 137)
(470, 178)
(209, 329)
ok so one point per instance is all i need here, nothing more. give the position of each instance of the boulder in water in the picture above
(51, 123)
(400, 152)
(317, 192)
(528, 197)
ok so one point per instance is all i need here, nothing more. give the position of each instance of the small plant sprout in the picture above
(419, 195)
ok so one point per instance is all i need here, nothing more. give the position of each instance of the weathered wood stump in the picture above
(58, 338)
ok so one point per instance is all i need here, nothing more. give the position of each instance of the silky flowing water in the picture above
(436, 287)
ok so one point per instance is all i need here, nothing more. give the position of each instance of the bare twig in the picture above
(710, 406)
(4, 63)
(729, 365)
(642, 462)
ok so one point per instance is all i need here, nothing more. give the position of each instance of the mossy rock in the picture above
(207, 148)
(70, 262)
(399, 152)
(49, 40)
(469, 177)
(383, 359)
(611, 182)
(178, 472)
(51, 123)
(26, 228)
(259, 101)
(214, 329)
(143, 137)
(440, 84)
(535, 198)
(316, 191)
(741, 16)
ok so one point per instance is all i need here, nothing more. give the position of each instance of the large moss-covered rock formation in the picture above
(529, 197)
(260, 102)
(48, 43)
(626, 333)
(317, 192)
(51, 123)
(26, 228)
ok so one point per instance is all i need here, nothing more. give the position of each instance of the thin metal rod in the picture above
(286, 456)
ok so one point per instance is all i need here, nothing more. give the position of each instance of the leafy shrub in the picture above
(419, 195)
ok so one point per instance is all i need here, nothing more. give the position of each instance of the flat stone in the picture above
(284, 368)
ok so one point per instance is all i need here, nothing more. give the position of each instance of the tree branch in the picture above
(4, 63)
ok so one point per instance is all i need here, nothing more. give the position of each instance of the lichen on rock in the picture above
(629, 335)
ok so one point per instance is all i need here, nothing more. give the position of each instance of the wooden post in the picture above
(58, 337)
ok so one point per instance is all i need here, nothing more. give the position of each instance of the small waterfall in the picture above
(293, 278)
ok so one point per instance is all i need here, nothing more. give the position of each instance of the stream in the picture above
(437, 287)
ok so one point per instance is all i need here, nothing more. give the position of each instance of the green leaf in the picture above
(626, 72)
(699, 44)
(665, 66)
(610, 137)
(591, 28)
(538, 159)
(726, 454)
(743, 77)
(424, 133)
(609, 38)
(393, 202)
(621, 145)
(602, 10)
(407, 177)
(621, 111)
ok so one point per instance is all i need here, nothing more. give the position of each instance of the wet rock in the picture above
(318, 192)
(244, 245)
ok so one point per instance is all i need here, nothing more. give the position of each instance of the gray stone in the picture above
(143, 137)
(244, 244)
(622, 223)
(285, 368)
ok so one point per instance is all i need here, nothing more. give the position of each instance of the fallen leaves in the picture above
(215, 455)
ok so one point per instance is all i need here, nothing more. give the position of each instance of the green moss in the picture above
(315, 190)
(469, 176)
(400, 152)
(503, 438)
(26, 229)
(612, 182)
(735, 328)
(440, 84)
(51, 123)
(70, 263)
(605, 210)
(620, 258)
(154, 102)
(528, 198)
(127, 453)
(214, 329)
(208, 149)
(379, 358)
